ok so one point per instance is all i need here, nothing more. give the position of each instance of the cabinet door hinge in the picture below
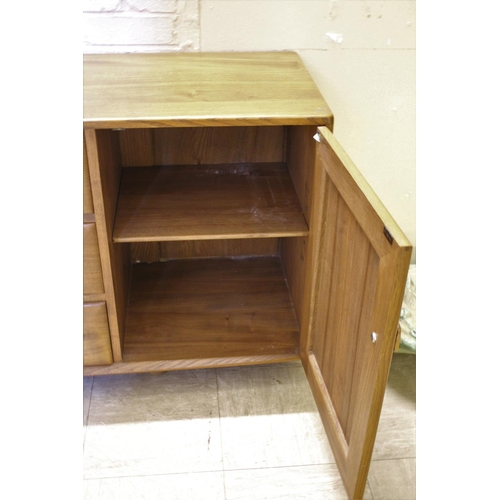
(388, 235)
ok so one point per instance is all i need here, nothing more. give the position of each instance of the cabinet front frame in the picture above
(105, 152)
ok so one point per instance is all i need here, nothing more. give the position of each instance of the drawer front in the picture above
(96, 341)
(88, 205)
(92, 272)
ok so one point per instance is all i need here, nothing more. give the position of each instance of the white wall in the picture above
(367, 78)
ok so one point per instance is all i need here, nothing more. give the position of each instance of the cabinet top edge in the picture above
(200, 89)
(207, 121)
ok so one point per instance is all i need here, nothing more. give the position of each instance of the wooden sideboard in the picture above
(224, 225)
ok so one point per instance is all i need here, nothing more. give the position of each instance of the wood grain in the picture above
(218, 248)
(187, 364)
(207, 202)
(152, 251)
(300, 159)
(200, 89)
(201, 145)
(92, 273)
(136, 147)
(293, 253)
(372, 365)
(218, 145)
(148, 251)
(370, 212)
(357, 275)
(105, 170)
(94, 297)
(96, 342)
(209, 308)
(353, 265)
(88, 206)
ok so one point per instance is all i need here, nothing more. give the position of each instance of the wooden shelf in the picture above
(210, 308)
(207, 202)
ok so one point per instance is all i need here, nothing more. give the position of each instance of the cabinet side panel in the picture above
(88, 205)
(293, 255)
(218, 145)
(300, 159)
(105, 171)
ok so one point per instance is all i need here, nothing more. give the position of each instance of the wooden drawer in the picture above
(92, 272)
(96, 341)
(88, 204)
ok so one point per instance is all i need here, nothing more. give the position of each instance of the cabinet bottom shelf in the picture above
(210, 309)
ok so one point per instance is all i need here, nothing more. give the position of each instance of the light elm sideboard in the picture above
(225, 225)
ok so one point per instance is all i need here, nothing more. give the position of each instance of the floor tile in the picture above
(206, 486)
(393, 479)
(313, 482)
(149, 397)
(368, 492)
(87, 389)
(269, 418)
(154, 436)
(402, 376)
(146, 424)
(396, 436)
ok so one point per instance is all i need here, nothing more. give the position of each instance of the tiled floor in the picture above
(249, 433)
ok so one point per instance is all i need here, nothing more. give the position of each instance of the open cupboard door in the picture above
(357, 265)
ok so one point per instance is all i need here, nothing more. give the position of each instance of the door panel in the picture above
(357, 267)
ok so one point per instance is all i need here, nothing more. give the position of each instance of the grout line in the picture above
(369, 488)
(282, 467)
(220, 431)
(159, 474)
(203, 472)
(395, 458)
(88, 413)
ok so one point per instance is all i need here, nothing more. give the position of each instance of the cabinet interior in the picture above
(210, 234)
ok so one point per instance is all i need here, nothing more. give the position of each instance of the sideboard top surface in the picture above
(200, 89)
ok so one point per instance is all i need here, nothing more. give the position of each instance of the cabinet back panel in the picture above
(166, 250)
(136, 147)
(202, 145)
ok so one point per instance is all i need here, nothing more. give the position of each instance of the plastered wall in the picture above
(361, 53)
